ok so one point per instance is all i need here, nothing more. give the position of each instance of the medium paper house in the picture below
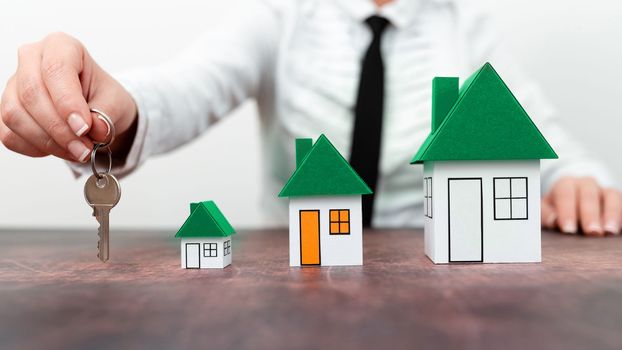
(205, 238)
(481, 165)
(325, 214)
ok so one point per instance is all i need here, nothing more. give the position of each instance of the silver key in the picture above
(102, 195)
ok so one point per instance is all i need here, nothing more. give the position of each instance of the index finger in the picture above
(62, 64)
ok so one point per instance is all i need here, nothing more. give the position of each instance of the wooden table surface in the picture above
(55, 294)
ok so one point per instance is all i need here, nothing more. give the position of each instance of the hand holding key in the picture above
(44, 109)
(102, 191)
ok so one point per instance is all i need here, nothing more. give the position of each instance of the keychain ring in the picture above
(103, 116)
(93, 167)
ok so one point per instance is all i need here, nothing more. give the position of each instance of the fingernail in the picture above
(612, 227)
(569, 227)
(594, 228)
(77, 124)
(107, 126)
(78, 150)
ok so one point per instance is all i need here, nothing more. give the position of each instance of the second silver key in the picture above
(102, 195)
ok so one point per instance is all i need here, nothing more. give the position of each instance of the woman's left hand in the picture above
(581, 203)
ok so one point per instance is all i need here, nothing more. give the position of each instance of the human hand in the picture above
(45, 105)
(582, 203)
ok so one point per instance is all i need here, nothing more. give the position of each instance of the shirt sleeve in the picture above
(182, 98)
(481, 44)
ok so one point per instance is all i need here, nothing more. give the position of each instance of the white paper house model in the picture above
(205, 238)
(481, 169)
(325, 213)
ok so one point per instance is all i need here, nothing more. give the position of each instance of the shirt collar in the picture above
(399, 12)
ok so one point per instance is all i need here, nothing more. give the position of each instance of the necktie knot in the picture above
(377, 24)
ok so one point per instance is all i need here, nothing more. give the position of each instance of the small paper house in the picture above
(481, 165)
(325, 213)
(205, 238)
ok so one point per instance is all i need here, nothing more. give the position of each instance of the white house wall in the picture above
(219, 261)
(503, 240)
(335, 250)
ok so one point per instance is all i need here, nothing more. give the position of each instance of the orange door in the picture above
(309, 237)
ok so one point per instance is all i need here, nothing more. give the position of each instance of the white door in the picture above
(466, 232)
(193, 257)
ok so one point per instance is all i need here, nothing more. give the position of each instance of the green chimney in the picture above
(303, 146)
(444, 96)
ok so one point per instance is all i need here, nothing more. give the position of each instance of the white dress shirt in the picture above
(301, 61)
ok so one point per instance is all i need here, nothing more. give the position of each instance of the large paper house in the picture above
(325, 213)
(205, 238)
(481, 166)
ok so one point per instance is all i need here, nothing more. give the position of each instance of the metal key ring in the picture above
(103, 116)
(93, 167)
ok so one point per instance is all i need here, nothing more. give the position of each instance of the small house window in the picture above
(427, 197)
(210, 250)
(340, 221)
(226, 248)
(510, 202)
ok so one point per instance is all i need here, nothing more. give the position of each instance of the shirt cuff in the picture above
(578, 169)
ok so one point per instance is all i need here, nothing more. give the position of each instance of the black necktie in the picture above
(365, 155)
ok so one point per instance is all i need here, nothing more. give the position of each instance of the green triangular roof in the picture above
(205, 220)
(324, 172)
(486, 123)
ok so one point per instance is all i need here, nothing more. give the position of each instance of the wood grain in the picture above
(55, 294)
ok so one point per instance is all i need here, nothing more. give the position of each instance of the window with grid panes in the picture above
(427, 197)
(210, 250)
(226, 247)
(339, 221)
(510, 198)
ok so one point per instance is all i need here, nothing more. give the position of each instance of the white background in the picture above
(571, 47)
